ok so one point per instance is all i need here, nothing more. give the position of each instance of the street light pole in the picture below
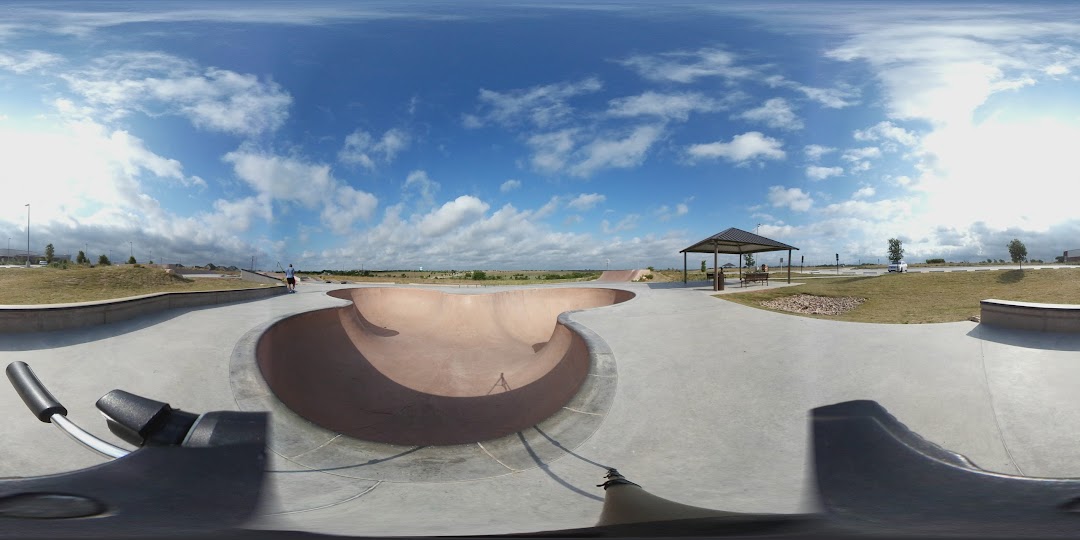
(28, 235)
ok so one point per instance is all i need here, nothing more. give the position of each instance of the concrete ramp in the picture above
(621, 276)
(421, 367)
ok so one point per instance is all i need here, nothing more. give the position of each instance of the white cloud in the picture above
(793, 198)
(27, 61)
(833, 98)
(510, 185)
(814, 172)
(815, 151)
(860, 154)
(666, 213)
(418, 181)
(742, 148)
(625, 224)
(157, 83)
(360, 146)
(348, 206)
(1056, 69)
(552, 150)
(686, 66)
(585, 201)
(775, 113)
(288, 179)
(889, 133)
(542, 106)
(617, 153)
(682, 209)
(880, 211)
(464, 209)
(864, 192)
(549, 208)
(677, 106)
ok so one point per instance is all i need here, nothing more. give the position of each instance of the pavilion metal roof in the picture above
(736, 241)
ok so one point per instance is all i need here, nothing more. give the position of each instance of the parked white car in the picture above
(898, 267)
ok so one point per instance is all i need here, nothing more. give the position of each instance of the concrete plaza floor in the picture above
(710, 409)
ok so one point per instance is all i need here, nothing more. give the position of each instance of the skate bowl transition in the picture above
(422, 367)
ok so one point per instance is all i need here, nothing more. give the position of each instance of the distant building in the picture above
(1072, 255)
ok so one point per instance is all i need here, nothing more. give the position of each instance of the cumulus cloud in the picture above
(621, 153)
(775, 113)
(815, 151)
(793, 198)
(749, 146)
(815, 172)
(864, 193)
(451, 215)
(687, 66)
(157, 83)
(542, 106)
(889, 133)
(360, 146)
(510, 185)
(677, 106)
(585, 201)
(311, 185)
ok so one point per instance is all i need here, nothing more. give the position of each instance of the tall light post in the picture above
(28, 235)
(756, 229)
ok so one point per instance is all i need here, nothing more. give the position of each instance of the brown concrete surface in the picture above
(401, 366)
(615, 276)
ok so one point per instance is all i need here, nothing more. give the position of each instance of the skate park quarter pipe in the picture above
(423, 367)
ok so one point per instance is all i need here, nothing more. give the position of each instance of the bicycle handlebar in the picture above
(33, 393)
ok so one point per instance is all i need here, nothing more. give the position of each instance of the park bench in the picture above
(755, 277)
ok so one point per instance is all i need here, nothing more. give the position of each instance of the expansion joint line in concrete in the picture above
(993, 410)
(331, 505)
(306, 452)
(484, 450)
(582, 412)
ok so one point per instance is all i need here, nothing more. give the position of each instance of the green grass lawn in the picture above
(21, 286)
(930, 297)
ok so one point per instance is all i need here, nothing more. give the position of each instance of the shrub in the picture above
(478, 275)
(131, 260)
(103, 260)
(935, 261)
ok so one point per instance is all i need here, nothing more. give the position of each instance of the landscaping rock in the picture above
(814, 305)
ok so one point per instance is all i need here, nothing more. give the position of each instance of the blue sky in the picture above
(537, 135)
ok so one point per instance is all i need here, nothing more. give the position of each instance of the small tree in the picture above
(1018, 252)
(479, 275)
(49, 253)
(896, 250)
(703, 269)
(81, 258)
(103, 260)
(131, 260)
(749, 258)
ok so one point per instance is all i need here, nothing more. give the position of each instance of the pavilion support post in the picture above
(789, 266)
(684, 268)
(715, 270)
(741, 260)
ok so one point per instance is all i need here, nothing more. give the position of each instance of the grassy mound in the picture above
(21, 286)
(930, 297)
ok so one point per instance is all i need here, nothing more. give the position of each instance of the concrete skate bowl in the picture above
(421, 367)
(620, 276)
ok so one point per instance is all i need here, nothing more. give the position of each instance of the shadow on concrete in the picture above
(1011, 276)
(547, 470)
(680, 285)
(32, 341)
(559, 445)
(1028, 339)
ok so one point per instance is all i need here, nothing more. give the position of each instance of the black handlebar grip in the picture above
(33, 393)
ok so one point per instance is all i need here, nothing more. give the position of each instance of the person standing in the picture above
(290, 278)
